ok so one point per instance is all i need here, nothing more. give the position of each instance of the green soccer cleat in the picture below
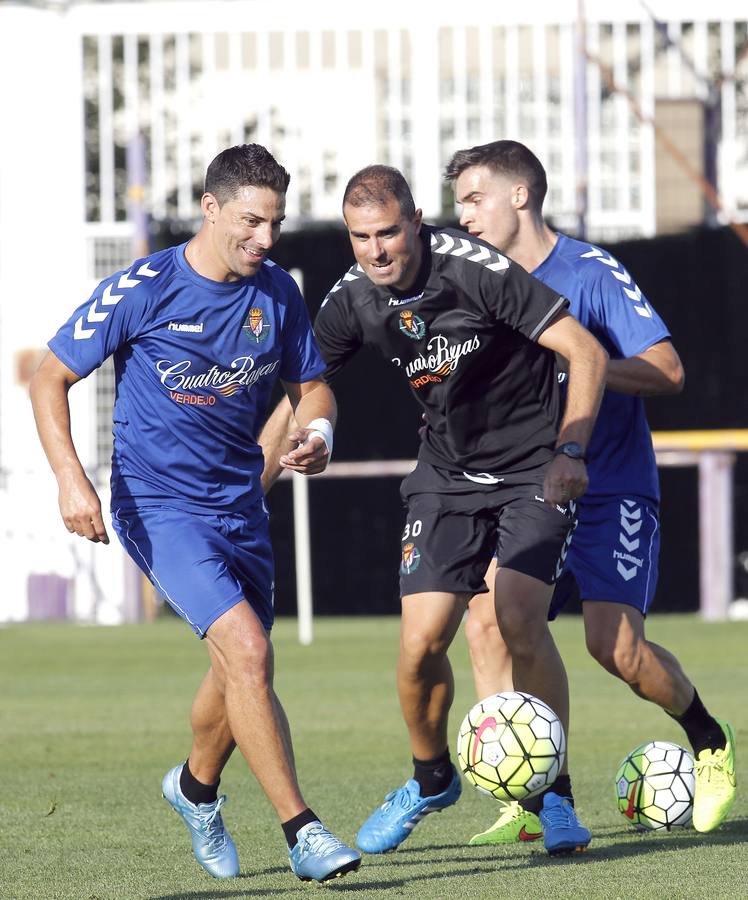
(715, 783)
(514, 825)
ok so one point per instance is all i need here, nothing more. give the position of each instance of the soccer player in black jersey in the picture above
(474, 336)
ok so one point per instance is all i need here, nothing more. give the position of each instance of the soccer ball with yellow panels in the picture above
(511, 746)
(655, 786)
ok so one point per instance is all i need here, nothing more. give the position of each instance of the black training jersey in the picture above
(464, 337)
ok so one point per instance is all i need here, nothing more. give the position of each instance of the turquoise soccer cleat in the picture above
(562, 830)
(320, 856)
(211, 843)
(387, 827)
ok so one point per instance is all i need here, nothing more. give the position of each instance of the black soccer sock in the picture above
(703, 730)
(433, 775)
(561, 786)
(292, 826)
(195, 791)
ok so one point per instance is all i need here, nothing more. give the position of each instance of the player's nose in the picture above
(264, 236)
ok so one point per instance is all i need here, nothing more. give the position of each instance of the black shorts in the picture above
(455, 526)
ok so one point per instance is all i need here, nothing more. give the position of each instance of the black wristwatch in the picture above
(570, 449)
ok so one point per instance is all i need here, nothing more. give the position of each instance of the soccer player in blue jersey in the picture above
(613, 557)
(200, 333)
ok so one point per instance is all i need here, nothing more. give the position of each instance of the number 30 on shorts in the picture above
(412, 530)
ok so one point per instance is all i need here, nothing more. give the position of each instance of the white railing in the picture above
(105, 587)
(712, 452)
(329, 94)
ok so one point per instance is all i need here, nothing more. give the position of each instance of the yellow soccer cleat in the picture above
(715, 783)
(514, 825)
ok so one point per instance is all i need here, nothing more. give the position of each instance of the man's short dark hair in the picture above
(508, 158)
(376, 185)
(246, 165)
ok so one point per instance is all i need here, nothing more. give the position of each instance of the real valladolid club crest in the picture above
(412, 325)
(411, 559)
(256, 328)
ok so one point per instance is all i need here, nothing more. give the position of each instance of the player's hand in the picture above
(310, 457)
(565, 480)
(80, 508)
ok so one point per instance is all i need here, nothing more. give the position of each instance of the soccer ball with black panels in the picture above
(511, 746)
(655, 786)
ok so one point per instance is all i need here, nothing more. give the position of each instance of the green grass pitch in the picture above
(91, 718)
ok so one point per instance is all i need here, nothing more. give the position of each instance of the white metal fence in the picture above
(330, 90)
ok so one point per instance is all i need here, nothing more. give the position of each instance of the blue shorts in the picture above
(613, 555)
(202, 565)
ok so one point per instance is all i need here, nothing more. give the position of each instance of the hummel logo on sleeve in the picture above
(108, 299)
(620, 274)
(444, 243)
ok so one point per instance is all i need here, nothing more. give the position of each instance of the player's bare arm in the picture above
(275, 442)
(79, 503)
(657, 371)
(566, 478)
(291, 438)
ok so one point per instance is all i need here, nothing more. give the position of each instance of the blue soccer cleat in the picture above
(211, 843)
(387, 827)
(320, 856)
(562, 830)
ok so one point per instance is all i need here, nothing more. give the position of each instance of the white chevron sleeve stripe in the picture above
(126, 282)
(81, 333)
(94, 316)
(465, 247)
(108, 298)
(447, 245)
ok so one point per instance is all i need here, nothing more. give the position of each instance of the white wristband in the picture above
(321, 428)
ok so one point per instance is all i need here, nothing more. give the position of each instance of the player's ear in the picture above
(520, 196)
(210, 207)
(418, 219)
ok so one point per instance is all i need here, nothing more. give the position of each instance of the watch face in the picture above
(571, 449)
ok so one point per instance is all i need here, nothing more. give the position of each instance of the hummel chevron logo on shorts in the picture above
(109, 299)
(631, 523)
(567, 543)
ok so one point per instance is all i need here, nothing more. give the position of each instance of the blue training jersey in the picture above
(195, 363)
(607, 301)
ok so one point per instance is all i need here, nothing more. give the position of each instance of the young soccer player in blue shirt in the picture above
(613, 557)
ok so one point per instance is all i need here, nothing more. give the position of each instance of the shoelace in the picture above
(319, 840)
(400, 797)
(560, 815)
(212, 823)
(713, 763)
(509, 813)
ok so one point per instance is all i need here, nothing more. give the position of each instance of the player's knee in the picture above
(522, 633)
(482, 635)
(419, 647)
(250, 661)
